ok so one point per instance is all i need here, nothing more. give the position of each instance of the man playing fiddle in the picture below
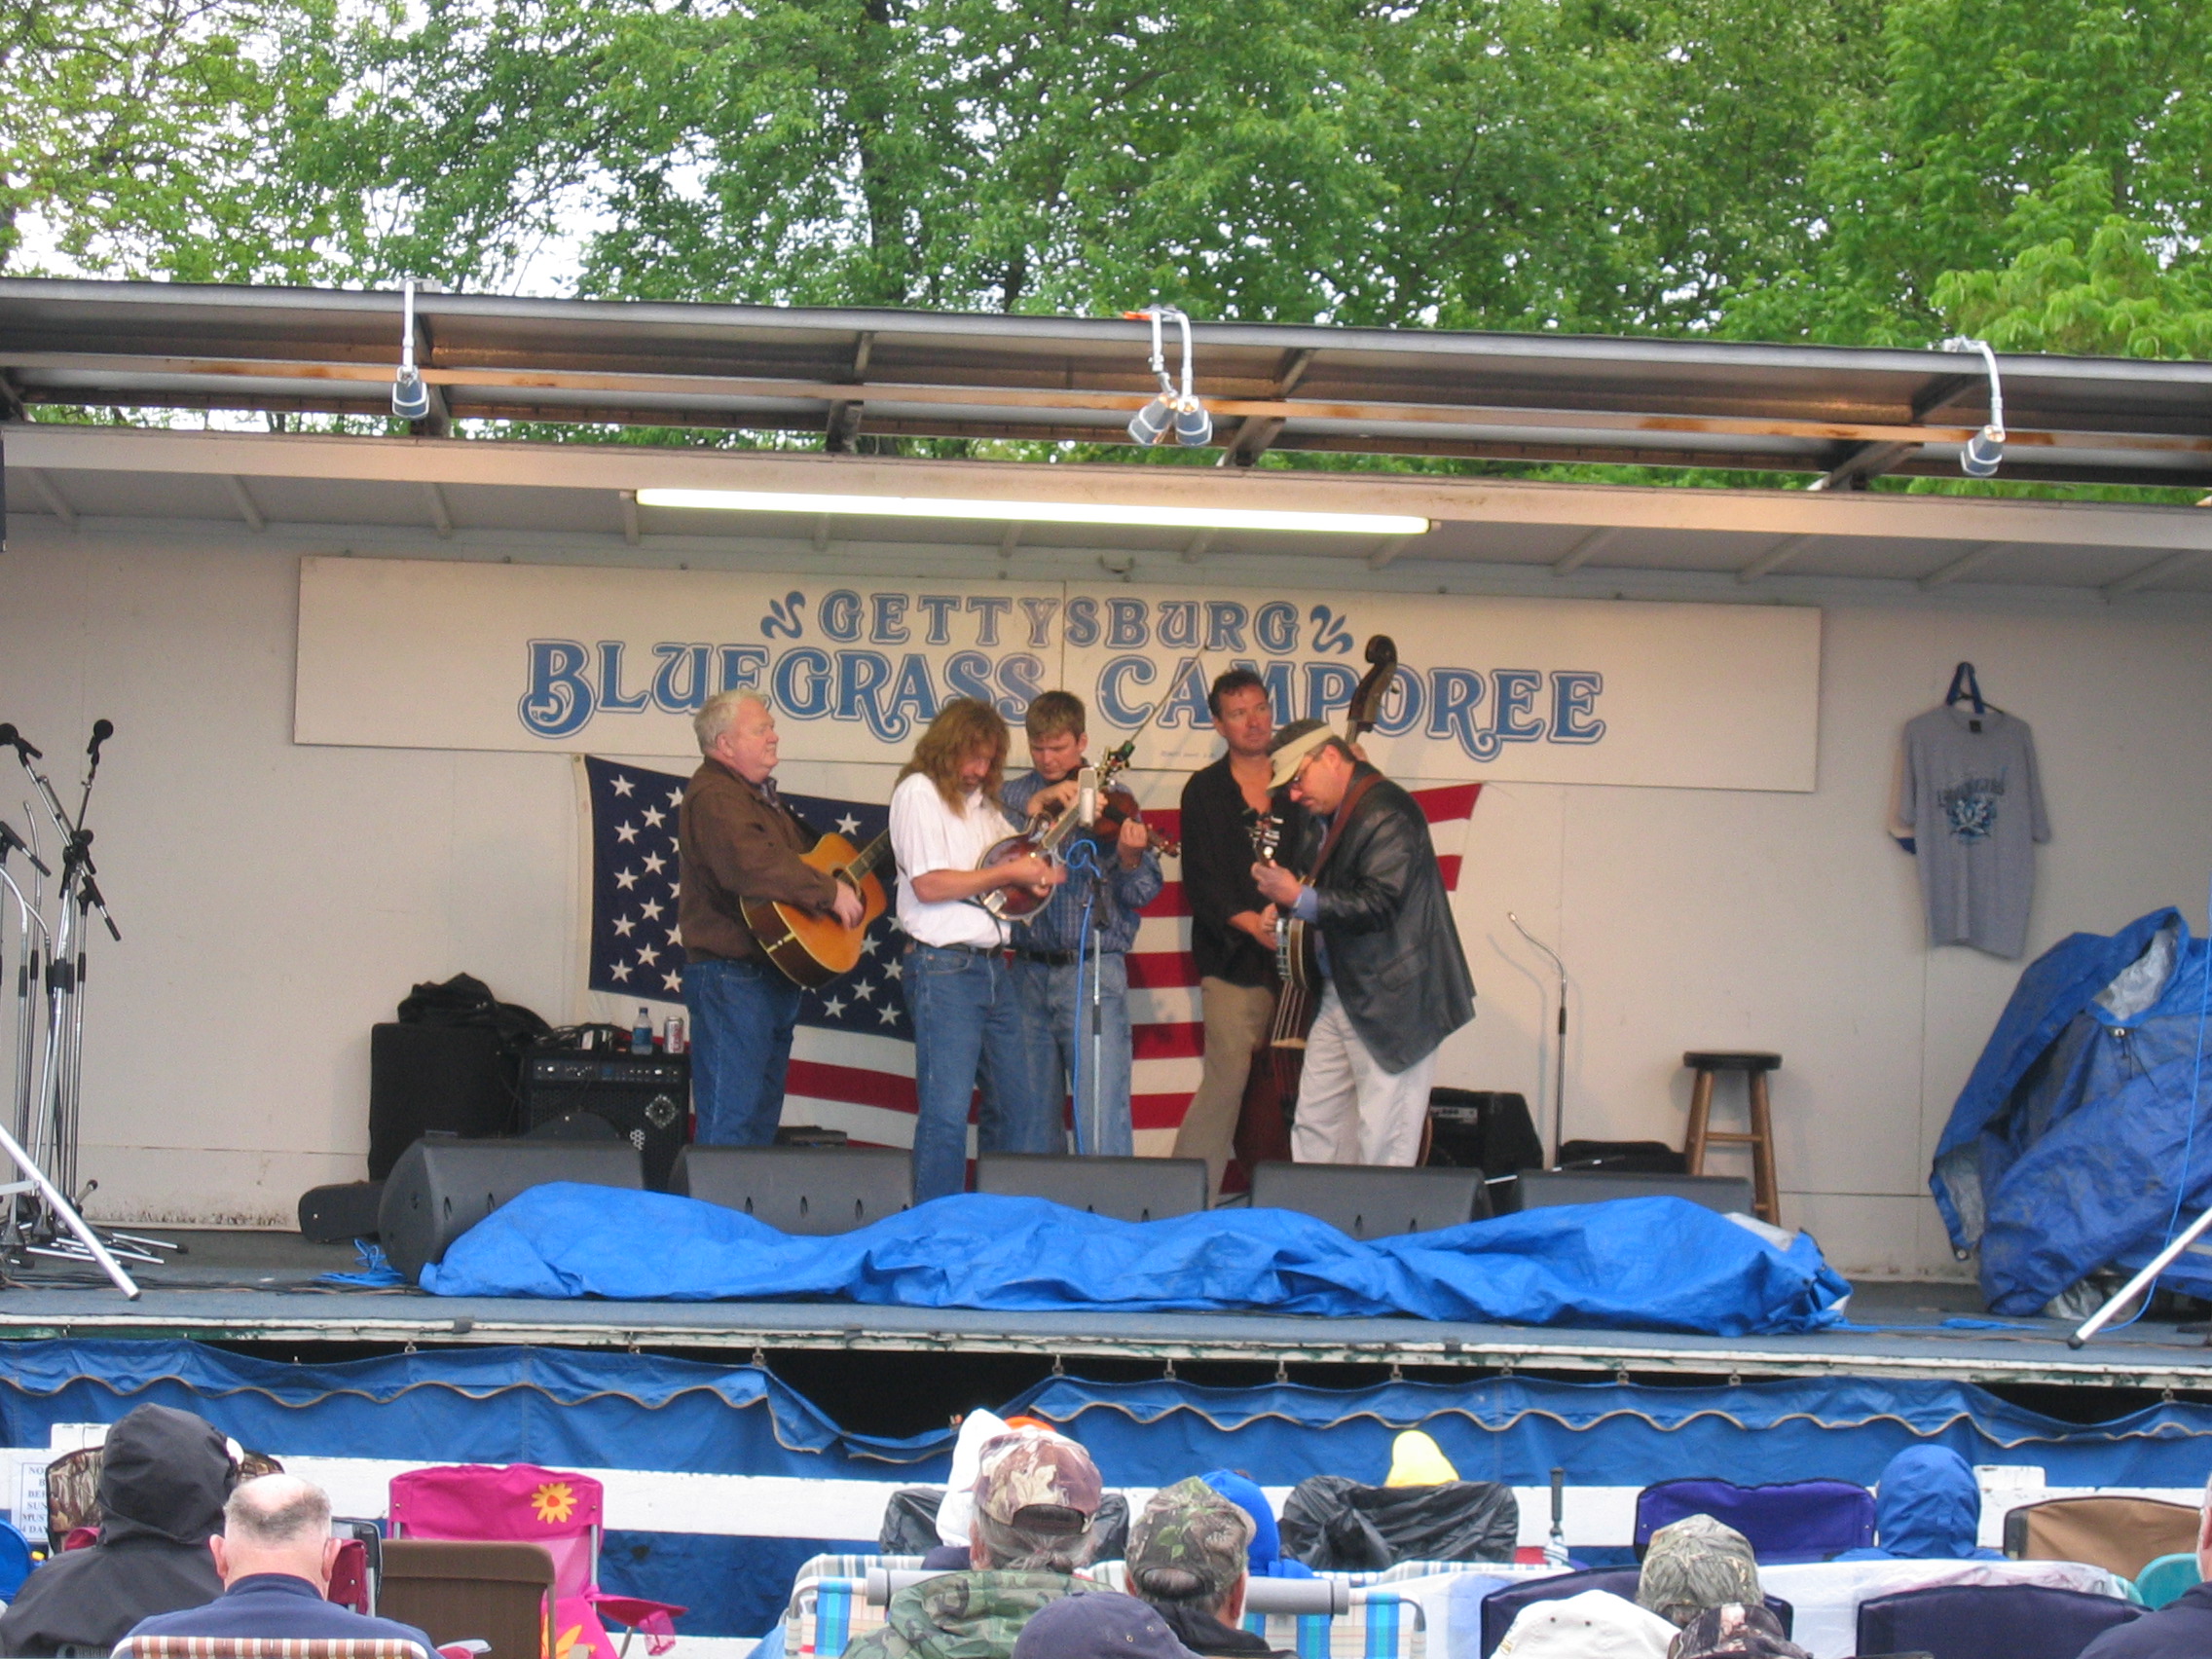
(1124, 877)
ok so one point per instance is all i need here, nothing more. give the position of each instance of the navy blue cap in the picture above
(1102, 1625)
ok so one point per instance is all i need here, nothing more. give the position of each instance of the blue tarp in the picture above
(1639, 1264)
(2067, 1149)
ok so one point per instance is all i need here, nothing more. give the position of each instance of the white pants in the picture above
(1349, 1109)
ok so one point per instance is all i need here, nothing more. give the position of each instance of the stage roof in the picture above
(1541, 397)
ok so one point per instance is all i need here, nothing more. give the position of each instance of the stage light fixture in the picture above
(1985, 450)
(1179, 410)
(410, 397)
(1038, 512)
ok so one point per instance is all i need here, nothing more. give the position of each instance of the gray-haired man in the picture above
(738, 841)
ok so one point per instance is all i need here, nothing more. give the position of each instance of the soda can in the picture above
(672, 1039)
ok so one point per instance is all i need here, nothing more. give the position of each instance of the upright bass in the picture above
(1271, 1088)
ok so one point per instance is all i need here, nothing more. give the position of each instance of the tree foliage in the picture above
(1876, 172)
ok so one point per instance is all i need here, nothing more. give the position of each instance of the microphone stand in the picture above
(1559, 1066)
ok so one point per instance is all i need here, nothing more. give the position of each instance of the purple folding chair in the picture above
(1793, 1521)
(1979, 1621)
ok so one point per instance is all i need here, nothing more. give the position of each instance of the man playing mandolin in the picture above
(1397, 981)
(1122, 877)
(738, 841)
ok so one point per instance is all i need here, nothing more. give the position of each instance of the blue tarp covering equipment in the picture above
(2066, 1149)
(1656, 1264)
(641, 1411)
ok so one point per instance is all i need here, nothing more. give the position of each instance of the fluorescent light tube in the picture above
(1038, 512)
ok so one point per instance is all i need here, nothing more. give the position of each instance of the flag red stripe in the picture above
(1161, 970)
(1182, 1040)
(852, 1085)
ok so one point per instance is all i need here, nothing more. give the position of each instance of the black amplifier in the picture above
(644, 1099)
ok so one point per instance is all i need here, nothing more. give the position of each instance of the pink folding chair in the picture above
(525, 1504)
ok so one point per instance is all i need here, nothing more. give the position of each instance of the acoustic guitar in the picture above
(811, 950)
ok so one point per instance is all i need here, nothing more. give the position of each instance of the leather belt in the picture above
(1050, 958)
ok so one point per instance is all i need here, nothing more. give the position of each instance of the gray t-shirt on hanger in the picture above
(1974, 802)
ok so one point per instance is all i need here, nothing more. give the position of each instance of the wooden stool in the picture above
(1766, 1202)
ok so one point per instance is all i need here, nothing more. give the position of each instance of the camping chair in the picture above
(525, 1504)
(265, 1648)
(2121, 1534)
(2166, 1579)
(1500, 1607)
(1789, 1522)
(1964, 1621)
(14, 1561)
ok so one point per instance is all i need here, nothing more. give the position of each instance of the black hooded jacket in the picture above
(164, 1478)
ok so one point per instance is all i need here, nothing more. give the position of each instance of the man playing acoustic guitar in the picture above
(738, 841)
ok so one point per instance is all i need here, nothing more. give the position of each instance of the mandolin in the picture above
(1114, 805)
(811, 950)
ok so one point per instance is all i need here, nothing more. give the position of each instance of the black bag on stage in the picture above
(466, 1000)
(450, 1064)
(1332, 1523)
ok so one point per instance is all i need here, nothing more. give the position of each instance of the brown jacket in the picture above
(735, 845)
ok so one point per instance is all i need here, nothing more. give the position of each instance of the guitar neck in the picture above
(866, 861)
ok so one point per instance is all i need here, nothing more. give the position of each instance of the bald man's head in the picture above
(275, 1523)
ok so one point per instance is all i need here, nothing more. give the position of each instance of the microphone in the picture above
(9, 839)
(102, 731)
(1087, 796)
(20, 743)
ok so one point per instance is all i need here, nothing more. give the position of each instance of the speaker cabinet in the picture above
(644, 1099)
(454, 1079)
(439, 1189)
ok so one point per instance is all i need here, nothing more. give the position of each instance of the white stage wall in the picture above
(277, 898)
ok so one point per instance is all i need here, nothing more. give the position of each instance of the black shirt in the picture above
(1217, 875)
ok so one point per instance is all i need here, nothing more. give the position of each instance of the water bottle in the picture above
(642, 1033)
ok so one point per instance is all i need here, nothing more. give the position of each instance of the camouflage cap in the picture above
(1696, 1563)
(1189, 1527)
(1046, 1474)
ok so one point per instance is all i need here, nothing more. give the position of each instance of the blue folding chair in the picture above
(2167, 1577)
(16, 1562)
(1794, 1521)
(1973, 1621)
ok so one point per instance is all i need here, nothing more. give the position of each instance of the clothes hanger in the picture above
(1965, 685)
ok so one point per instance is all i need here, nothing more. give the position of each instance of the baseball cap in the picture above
(1189, 1527)
(1045, 1483)
(1103, 1625)
(1292, 745)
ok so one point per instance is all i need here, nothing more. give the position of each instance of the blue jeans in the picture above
(1059, 1027)
(742, 1017)
(968, 1033)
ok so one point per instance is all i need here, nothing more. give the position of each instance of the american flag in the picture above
(853, 1058)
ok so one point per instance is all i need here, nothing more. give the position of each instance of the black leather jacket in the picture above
(1393, 950)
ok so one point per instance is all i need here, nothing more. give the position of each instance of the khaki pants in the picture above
(1236, 1018)
(1349, 1109)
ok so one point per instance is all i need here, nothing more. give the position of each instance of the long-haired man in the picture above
(969, 1029)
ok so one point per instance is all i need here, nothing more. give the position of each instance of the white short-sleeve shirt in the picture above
(927, 835)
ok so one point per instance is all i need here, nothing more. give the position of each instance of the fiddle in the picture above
(1117, 806)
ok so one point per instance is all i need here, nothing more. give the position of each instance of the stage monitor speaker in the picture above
(341, 1213)
(1482, 1128)
(442, 1187)
(644, 1098)
(1539, 1189)
(1371, 1201)
(454, 1079)
(1127, 1189)
(806, 1189)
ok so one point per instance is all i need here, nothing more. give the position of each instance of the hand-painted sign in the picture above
(420, 654)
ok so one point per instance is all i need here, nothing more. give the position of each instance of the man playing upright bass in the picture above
(1397, 981)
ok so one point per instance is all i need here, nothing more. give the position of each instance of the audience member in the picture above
(978, 1430)
(1416, 1460)
(1594, 1625)
(1928, 1507)
(2182, 1628)
(1264, 1558)
(1035, 1496)
(1735, 1632)
(1694, 1564)
(1102, 1626)
(1189, 1557)
(164, 1476)
(274, 1554)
